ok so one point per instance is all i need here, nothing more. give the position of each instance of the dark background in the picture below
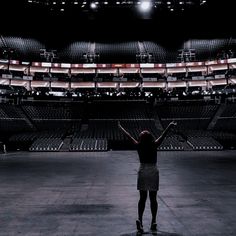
(213, 20)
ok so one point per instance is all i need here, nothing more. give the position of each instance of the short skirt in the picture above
(148, 177)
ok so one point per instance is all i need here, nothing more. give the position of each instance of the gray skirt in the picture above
(148, 177)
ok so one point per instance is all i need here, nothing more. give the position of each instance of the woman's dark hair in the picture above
(146, 138)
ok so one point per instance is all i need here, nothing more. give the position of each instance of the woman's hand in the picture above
(172, 124)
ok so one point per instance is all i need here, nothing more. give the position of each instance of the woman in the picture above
(148, 174)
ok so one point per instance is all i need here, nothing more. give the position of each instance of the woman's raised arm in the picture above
(134, 141)
(164, 133)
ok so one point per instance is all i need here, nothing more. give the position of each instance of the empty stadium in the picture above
(72, 72)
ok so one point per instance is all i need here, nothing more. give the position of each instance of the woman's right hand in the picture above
(173, 123)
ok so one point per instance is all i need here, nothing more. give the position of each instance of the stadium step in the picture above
(215, 118)
(27, 119)
(66, 145)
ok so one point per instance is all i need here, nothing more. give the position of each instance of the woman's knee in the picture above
(143, 196)
(153, 196)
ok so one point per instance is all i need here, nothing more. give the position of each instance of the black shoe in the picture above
(139, 226)
(154, 227)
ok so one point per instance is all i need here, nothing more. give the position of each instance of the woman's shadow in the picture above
(158, 233)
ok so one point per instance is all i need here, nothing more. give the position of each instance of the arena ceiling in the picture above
(117, 19)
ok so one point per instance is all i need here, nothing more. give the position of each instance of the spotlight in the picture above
(145, 5)
(93, 5)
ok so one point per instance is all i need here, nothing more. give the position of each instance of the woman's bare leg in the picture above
(153, 204)
(141, 205)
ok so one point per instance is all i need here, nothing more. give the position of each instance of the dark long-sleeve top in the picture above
(147, 153)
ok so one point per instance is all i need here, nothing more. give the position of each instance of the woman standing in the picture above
(148, 174)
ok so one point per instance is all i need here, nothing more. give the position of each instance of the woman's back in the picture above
(147, 148)
(147, 152)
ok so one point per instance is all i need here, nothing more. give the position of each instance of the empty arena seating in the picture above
(101, 129)
(204, 143)
(26, 48)
(227, 119)
(88, 144)
(46, 144)
(23, 137)
(53, 115)
(160, 53)
(207, 48)
(117, 52)
(194, 115)
(173, 143)
(135, 127)
(203, 139)
(47, 140)
(12, 119)
(119, 110)
(74, 51)
(48, 124)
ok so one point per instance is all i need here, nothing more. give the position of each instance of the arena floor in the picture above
(69, 194)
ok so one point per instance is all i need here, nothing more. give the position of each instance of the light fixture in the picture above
(142, 5)
(145, 5)
(93, 5)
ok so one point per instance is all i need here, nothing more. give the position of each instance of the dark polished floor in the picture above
(68, 194)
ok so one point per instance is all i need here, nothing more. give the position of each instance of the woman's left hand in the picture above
(173, 123)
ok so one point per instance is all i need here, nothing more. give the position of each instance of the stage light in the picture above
(145, 5)
(93, 5)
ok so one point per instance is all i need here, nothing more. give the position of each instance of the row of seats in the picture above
(193, 110)
(204, 143)
(110, 52)
(46, 144)
(108, 129)
(174, 142)
(88, 144)
(54, 111)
